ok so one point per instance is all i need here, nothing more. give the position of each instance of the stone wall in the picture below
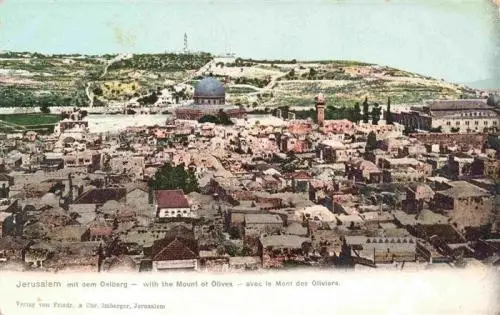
(449, 139)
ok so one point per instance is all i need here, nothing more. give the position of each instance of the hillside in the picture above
(30, 80)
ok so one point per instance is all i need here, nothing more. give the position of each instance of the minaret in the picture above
(320, 108)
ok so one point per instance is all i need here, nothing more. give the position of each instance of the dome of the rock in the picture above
(209, 99)
(209, 91)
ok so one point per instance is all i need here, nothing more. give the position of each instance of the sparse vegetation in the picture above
(38, 80)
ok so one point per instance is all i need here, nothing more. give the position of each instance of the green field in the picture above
(22, 120)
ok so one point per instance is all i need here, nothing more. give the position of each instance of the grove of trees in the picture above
(174, 177)
(221, 119)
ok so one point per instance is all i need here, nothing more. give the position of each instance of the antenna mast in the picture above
(185, 43)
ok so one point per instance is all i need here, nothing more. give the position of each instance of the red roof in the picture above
(171, 199)
(298, 175)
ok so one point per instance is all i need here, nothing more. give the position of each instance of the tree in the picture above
(221, 119)
(366, 113)
(354, 113)
(98, 91)
(148, 100)
(208, 118)
(224, 118)
(388, 114)
(191, 182)
(169, 177)
(376, 112)
(371, 142)
(45, 109)
(312, 73)
(288, 167)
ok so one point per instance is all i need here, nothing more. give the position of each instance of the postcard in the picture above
(265, 156)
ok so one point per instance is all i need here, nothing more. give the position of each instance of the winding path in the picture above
(199, 72)
(88, 91)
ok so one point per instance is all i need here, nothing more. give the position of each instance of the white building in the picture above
(172, 204)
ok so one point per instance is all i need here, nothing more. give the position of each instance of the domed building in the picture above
(209, 99)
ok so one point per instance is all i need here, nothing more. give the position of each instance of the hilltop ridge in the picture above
(30, 79)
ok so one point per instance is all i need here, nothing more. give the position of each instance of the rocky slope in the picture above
(35, 80)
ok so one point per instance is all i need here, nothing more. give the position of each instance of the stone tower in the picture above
(320, 108)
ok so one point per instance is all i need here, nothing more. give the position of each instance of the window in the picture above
(457, 123)
(494, 123)
(486, 122)
(467, 122)
(476, 122)
(448, 123)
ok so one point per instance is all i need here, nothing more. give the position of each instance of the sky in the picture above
(451, 39)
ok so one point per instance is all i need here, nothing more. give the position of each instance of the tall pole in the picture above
(185, 43)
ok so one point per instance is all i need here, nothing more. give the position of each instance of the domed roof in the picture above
(209, 87)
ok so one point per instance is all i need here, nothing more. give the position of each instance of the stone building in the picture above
(462, 116)
(278, 250)
(404, 170)
(443, 140)
(209, 99)
(383, 250)
(177, 251)
(417, 196)
(171, 204)
(88, 158)
(264, 223)
(466, 204)
(342, 126)
(363, 171)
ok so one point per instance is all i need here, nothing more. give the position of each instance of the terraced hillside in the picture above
(34, 80)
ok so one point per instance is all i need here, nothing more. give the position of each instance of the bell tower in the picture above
(320, 108)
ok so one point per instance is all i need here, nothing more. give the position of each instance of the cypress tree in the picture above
(376, 113)
(354, 114)
(366, 114)
(388, 117)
